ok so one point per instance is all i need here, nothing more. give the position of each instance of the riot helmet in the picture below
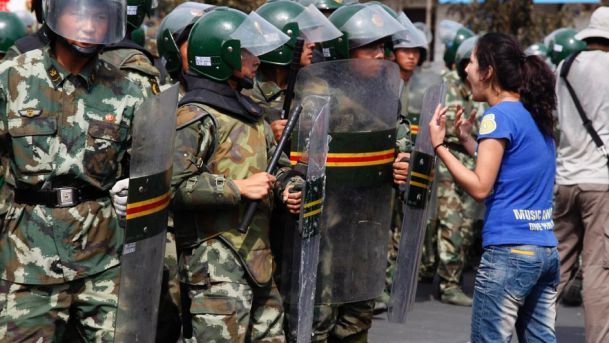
(295, 21)
(361, 25)
(537, 49)
(463, 55)
(96, 22)
(452, 35)
(217, 39)
(11, 29)
(174, 30)
(26, 18)
(411, 37)
(137, 11)
(563, 43)
(138, 36)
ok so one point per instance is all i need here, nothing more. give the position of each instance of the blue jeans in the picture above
(516, 286)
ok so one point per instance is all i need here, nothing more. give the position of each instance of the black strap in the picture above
(52, 198)
(564, 71)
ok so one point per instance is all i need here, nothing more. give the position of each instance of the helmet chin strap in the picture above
(79, 50)
(243, 82)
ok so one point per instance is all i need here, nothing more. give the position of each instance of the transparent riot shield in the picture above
(149, 194)
(309, 150)
(357, 207)
(416, 212)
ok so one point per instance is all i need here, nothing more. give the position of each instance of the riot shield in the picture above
(309, 150)
(149, 195)
(416, 212)
(357, 207)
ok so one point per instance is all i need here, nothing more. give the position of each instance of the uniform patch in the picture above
(30, 112)
(488, 124)
(109, 118)
(154, 86)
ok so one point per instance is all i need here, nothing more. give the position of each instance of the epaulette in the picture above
(190, 113)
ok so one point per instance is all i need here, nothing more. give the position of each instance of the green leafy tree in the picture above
(527, 22)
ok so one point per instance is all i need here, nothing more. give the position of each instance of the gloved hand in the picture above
(119, 197)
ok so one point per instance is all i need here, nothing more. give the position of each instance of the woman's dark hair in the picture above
(528, 76)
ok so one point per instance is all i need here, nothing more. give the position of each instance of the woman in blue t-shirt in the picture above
(519, 270)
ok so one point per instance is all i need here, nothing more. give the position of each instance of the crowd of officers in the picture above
(68, 93)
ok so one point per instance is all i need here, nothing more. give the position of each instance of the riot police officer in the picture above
(66, 137)
(222, 146)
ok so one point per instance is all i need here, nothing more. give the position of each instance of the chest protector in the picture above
(240, 151)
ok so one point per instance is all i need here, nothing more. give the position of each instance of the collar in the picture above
(220, 96)
(58, 74)
(268, 89)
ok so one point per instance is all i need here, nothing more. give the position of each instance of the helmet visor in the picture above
(370, 24)
(448, 31)
(315, 27)
(88, 21)
(411, 37)
(259, 36)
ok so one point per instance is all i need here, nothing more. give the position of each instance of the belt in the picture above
(58, 197)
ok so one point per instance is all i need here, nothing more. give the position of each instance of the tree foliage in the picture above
(527, 22)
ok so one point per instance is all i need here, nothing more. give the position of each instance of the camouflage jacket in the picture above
(404, 141)
(458, 93)
(136, 62)
(215, 145)
(269, 96)
(62, 130)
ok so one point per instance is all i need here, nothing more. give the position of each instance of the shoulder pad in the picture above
(29, 43)
(140, 62)
(190, 113)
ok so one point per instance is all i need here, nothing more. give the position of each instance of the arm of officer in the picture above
(403, 147)
(287, 178)
(192, 183)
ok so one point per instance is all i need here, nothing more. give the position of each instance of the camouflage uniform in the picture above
(403, 143)
(350, 322)
(136, 63)
(456, 209)
(228, 274)
(62, 130)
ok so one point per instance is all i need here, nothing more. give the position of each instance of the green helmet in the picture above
(296, 21)
(137, 11)
(138, 36)
(327, 5)
(453, 34)
(563, 43)
(216, 40)
(361, 25)
(170, 30)
(282, 14)
(537, 49)
(464, 54)
(11, 29)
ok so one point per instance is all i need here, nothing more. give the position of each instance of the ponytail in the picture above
(538, 94)
(529, 76)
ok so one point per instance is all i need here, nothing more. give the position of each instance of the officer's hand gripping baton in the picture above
(287, 132)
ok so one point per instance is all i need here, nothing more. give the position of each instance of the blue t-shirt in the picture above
(519, 210)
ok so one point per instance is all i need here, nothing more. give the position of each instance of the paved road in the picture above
(434, 322)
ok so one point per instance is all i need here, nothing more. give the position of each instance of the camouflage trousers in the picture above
(40, 313)
(225, 306)
(343, 323)
(456, 214)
